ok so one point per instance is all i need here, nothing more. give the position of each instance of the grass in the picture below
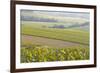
(37, 53)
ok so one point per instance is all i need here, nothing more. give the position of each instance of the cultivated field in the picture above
(53, 37)
(41, 44)
(72, 35)
(37, 53)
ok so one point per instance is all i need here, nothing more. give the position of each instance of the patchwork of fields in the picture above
(53, 37)
(71, 35)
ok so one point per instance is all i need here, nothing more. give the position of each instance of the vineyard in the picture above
(37, 53)
(54, 36)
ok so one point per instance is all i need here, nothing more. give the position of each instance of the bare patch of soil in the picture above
(48, 42)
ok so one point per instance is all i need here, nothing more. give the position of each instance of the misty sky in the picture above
(85, 15)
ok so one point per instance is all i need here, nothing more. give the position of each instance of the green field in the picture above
(71, 35)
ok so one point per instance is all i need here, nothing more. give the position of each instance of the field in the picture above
(45, 54)
(72, 35)
(45, 37)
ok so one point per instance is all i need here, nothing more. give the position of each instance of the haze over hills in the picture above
(74, 20)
